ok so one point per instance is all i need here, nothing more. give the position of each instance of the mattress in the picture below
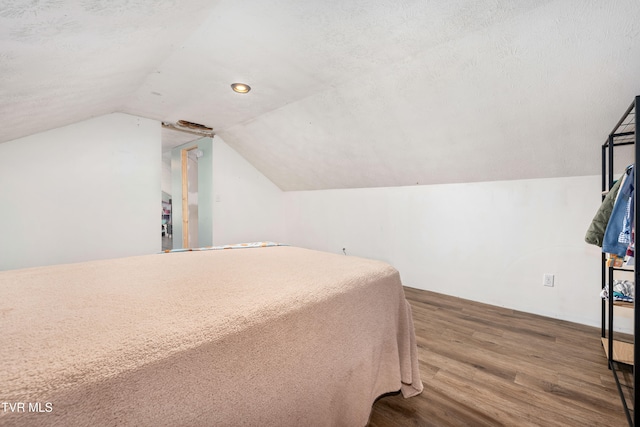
(272, 336)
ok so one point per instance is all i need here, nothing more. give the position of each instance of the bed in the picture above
(267, 336)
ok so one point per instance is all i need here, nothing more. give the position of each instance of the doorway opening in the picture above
(196, 139)
(167, 222)
(191, 182)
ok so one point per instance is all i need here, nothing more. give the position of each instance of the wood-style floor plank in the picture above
(483, 365)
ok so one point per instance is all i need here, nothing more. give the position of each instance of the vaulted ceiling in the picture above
(345, 93)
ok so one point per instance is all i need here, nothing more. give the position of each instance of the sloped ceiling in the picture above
(346, 93)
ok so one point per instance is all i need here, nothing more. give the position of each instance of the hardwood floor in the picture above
(483, 365)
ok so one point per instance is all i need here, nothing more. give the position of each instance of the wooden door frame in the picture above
(185, 195)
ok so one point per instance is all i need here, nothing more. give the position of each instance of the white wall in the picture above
(166, 177)
(489, 241)
(92, 190)
(86, 191)
(247, 206)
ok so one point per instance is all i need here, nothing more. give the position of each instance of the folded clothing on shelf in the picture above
(623, 290)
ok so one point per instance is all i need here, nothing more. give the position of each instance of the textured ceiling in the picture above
(345, 93)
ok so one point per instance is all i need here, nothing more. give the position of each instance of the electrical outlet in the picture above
(547, 280)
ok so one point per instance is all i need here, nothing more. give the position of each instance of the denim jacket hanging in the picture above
(618, 232)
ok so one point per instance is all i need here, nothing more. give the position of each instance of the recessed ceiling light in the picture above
(240, 87)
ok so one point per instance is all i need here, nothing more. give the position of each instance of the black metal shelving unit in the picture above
(622, 355)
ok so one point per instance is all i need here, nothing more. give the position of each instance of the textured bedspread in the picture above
(277, 336)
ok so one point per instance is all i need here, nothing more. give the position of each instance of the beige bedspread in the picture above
(277, 336)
